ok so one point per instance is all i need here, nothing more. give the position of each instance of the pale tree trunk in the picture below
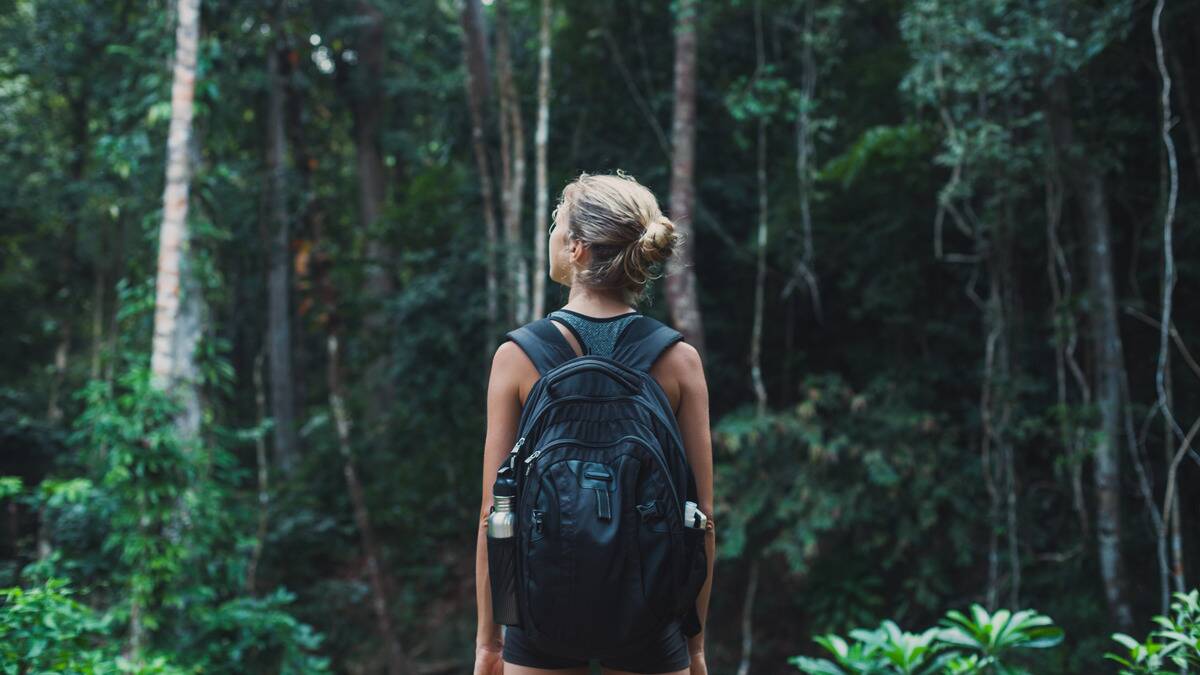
(397, 662)
(760, 278)
(512, 150)
(1162, 377)
(478, 92)
(681, 292)
(1105, 336)
(279, 341)
(263, 473)
(541, 136)
(748, 619)
(805, 268)
(177, 306)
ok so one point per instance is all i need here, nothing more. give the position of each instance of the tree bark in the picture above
(760, 276)
(541, 136)
(1105, 336)
(1163, 371)
(177, 305)
(748, 618)
(478, 87)
(512, 150)
(398, 662)
(279, 340)
(681, 291)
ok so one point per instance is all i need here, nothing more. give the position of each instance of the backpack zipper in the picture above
(636, 439)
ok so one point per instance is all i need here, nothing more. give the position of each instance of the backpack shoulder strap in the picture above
(542, 343)
(643, 341)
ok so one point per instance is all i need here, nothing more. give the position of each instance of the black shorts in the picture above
(666, 653)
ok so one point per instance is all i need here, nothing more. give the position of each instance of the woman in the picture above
(608, 234)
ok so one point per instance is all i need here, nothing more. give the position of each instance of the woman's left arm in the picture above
(697, 441)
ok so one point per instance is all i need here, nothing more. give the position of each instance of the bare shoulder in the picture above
(512, 370)
(682, 362)
(507, 355)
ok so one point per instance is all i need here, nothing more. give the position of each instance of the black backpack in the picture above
(603, 559)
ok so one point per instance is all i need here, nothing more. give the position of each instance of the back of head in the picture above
(620, 221)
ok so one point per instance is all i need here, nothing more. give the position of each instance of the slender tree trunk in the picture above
(512, 147)
(1088, 185)
(748, 619)
(1162, 372)
(760, 277)
(541, 136)
(805, 268)
(114, 328)
(177, 307)
(681, 291)
(263, 473)
(398, 662)
(279, 277)
(478, 87)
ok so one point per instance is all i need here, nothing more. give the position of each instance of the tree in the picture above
(279, 258)
(682, 293)
(177, 300)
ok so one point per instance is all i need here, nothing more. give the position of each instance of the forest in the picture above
(941, 263)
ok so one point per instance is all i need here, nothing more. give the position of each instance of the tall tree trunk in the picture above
(805, 268)
(367, 109)
(541, 136)
(177, 305)
(398, 662)
(760, 277)
(263, 475)
(1162, 377)
(681, 292)
(279, 341)
(748, 617)
(1105, 336)
(512, 149)
(478, 87)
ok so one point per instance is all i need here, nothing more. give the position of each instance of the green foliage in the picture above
(1178, 641)
(44, 629)
(976, 645)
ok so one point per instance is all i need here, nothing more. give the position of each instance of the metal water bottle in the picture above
(502, 548)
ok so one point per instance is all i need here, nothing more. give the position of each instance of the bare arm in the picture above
(697, 441)
(503, 413)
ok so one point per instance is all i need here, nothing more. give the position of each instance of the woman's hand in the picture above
(488, 660)
(699, 667)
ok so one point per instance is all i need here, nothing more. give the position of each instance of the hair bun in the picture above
(658, 241)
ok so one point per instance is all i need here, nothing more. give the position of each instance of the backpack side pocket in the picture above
(695, 567)
(502, 570)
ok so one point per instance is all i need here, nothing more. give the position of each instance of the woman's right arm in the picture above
(503, 413)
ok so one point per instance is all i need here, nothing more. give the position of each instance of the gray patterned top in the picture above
(595, 335)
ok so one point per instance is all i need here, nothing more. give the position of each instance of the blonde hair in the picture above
(620, 221)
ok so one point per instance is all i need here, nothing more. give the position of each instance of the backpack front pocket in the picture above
(583, 575)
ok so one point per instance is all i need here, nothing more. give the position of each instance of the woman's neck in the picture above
(595, 303)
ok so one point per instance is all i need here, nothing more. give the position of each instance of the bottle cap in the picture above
(505, 485)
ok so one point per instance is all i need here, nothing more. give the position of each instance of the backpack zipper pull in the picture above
(529, 460)
(512, 454)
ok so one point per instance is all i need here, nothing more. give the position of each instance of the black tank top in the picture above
(595, 335)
